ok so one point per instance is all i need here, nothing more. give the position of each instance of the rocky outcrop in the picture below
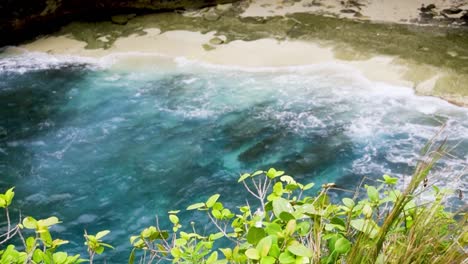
(23, 19)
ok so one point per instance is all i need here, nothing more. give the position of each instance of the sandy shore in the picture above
(271, 52)
(258, 53)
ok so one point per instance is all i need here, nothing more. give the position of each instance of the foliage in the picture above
(384, 225)
(40, 247)
(378, 224)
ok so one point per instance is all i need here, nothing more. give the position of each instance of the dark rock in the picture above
(21, 20)
(348, 11)
(427, 8)
(464, 17)
(120, 19)
(452, 11)
(426, 16)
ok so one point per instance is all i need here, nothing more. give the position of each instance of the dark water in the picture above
(110, 148)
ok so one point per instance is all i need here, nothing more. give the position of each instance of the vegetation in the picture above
(380, 225)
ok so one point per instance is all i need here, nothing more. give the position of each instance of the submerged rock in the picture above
(3, 132)
(121, 19)
(211, 15)
(208, 47)
(216, 41)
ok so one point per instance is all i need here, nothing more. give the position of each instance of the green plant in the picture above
(40, 247)
(95, 244)
(384, 225)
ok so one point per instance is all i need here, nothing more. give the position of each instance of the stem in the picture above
(91, 256)
(8, 218)
(219, 228)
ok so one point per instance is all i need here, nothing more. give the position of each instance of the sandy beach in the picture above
(251, 54)
(212, 47)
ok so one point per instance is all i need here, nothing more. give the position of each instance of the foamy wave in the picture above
(25, 61)
(19, 60)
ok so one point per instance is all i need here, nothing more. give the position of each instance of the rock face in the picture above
(23, 19)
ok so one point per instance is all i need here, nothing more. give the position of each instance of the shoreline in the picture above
(231, 35)
(267, 53)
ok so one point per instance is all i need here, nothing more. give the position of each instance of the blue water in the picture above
(109, 146)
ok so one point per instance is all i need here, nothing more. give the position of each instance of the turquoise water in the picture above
(104, 144)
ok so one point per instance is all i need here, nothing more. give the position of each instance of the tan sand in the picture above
(259, 53)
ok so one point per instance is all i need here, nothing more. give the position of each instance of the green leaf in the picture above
(212, 200)
(300, 250)
(372, 193)
(281, 205)
(278, 189)
(342, 245)
(273, 173)
(285, 216)
(3, 202)
(264, 245)
(308, 186)
(227, 252)
(217, 214)
(216, 236)
(243, 177)
(252, 253)
(303, 228)
(366, 226)
(30, 223)
(255, 234)
(275, 250)
(102, 234)
(176, 253)
(367, 210)
(58, 242)
(180, 242)
(174, 219)
(286, 258)
(99, 250)
(9, 194)
(59, 257)
(48, 222)
(196, 206)
(267, 260)
(131, 259)
(390, 180)
(46, 237)
(287, 179)
(290, 228)
(30, 243)
(348, 202)
(273, 229)
(257, 173)
(212, 258)
(358, 224)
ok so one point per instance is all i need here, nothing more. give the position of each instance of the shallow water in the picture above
(104, 144)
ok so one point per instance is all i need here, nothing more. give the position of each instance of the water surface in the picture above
(111, 147)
